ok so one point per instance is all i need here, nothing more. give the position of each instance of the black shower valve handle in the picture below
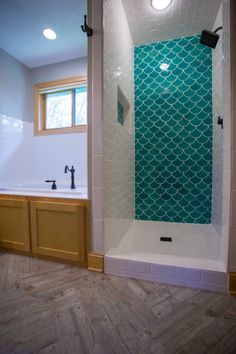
(220, 121)
(53, 181)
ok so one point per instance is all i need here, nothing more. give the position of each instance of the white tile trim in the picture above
(196, 278)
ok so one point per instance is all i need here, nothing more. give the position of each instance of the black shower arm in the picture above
(218, 28)
(85, 28)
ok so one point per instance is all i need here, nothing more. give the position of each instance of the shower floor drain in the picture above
(166, 239)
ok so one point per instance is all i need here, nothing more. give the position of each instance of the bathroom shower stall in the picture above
(166, 157)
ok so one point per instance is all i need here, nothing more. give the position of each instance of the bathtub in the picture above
(44, 190)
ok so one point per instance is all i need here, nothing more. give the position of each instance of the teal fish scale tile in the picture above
(173, 131)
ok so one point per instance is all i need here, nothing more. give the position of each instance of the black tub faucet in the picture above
(72, 171)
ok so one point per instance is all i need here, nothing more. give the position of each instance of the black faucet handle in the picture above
(53, 181)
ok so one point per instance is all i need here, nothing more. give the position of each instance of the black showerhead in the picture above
(210, 38)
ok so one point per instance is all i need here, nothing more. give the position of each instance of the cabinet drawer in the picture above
(58, 230)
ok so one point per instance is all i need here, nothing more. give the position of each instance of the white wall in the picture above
(76, 67)
(51, 153)
(15, 114)
(95, 119)
(25, 157)
(15, 88)
(118, 141)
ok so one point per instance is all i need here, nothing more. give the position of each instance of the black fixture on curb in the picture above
(220, 122)
(53, 181)
(72, 171)
(209, 38)
(85, 28)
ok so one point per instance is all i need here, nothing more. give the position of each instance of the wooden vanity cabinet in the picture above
(14, 224)
(58, 230)
(54, 228)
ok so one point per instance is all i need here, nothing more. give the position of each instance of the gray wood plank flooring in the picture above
(46, 307)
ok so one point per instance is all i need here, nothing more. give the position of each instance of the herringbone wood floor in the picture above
(47, 307)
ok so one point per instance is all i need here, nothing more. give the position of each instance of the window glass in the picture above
(58, 109)
(80, 106)
(61, 106)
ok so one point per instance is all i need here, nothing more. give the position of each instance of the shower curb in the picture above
(183, 276)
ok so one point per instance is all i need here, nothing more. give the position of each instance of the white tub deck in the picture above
(44, 190)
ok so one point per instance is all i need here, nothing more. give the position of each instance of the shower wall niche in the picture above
(173, 131)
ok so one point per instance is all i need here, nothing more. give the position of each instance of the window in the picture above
(61, 106)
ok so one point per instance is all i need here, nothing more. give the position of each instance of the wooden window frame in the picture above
(40, 91)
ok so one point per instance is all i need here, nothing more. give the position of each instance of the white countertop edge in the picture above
(51, 194)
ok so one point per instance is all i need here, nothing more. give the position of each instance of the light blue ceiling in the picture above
(22, 22)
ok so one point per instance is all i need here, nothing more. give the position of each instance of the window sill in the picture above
(69, 130)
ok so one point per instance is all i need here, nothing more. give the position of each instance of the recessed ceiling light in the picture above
(160, 4)
(49, 33)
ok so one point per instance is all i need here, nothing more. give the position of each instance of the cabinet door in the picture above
(14, 224)
(58, 230)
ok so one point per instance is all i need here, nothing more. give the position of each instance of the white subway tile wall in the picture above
(221, 137)
(118, 140)
(15, 147)
(182, 18)
(25, 158)
(227, 131)
(218, 133)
